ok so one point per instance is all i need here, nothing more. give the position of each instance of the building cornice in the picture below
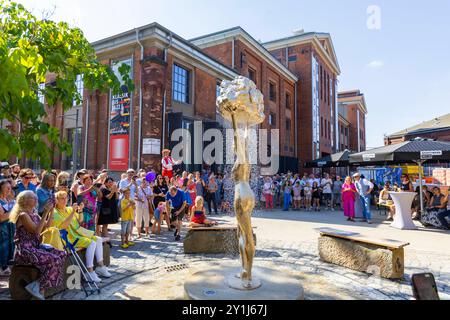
(313, 38)
(358, 100)
(238, 33)
(168, 38)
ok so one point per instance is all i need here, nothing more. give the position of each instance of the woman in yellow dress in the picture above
(69, 219)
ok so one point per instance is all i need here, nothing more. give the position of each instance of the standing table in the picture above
(403, 201)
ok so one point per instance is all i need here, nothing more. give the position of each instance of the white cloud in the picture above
(376, 64)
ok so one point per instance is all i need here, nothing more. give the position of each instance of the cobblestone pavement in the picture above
(155, 268)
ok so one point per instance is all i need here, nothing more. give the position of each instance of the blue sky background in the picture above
(403, 69)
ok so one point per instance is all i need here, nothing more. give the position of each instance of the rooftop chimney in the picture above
(298, 32)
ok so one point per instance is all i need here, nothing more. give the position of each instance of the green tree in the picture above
(30, 49)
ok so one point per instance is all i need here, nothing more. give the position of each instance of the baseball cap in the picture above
(4, 165)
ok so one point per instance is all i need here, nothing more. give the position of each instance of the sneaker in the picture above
(6, 272)
(369, 222)
(131, 243)
(95, 277)
(124, 246)
(103, 272)
(33, 289)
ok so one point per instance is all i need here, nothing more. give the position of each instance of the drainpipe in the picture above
(232, 53)
(287, 58)
(140, 100)
(87, 130)
(296, 119)
(163, 141)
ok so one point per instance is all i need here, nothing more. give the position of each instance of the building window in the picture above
(288, 125)
(180, 84)
(272, 119)
(288, 101)
(329, 130)
(218, 89)
(41, 96)
(252, 75)
(80, 88)
(321, 126)
(272, 91)
(346, 132)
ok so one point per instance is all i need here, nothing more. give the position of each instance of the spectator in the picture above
(406, 184)
(436, 206)
(444, 214)
(29, 250)
(315, 195)
(88, 193)
(176, 205)
(337, 192)
(144, 197)
(76, 183)
(160, 190)
(15, 171)
(69, 218)
(267, 191)
(191, 187)
(364, 188)
(109, 213)
(159, 212)
(211, 189)
(7, 228)
(297, 189)
(308, 196)
(128, 207)
(46, 190)
(198, 215)
(199, 184)
(287, 194)
(24, 183)
(5, 171)
(62, 182)
(327, 191)
(383, 199)
(130, 182)
(348, 198)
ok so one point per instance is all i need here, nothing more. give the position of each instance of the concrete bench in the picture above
(214, 239)
(354, 251)
(22, 275)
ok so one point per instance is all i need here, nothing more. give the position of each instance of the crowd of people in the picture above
(35, 208)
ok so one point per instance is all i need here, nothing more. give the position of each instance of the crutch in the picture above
(76, 259)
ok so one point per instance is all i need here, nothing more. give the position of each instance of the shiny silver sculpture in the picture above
(243, 104)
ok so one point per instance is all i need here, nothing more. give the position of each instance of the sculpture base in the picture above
(221, 283)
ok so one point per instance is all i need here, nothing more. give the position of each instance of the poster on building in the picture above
(119, 126)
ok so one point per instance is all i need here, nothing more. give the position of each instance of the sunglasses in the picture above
(28, 178)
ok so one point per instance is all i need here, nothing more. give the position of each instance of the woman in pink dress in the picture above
(348, 198)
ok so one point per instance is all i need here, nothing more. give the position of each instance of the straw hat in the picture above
(165, 150)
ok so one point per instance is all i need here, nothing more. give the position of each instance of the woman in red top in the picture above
(198, 215)
(191, 187)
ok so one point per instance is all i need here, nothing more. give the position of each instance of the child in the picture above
(127, 217)
(297, 195)
(159, 213)
(198, 216)
(308, 196)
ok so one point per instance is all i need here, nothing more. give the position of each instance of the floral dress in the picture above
(49, 262)
(89, 210)
(7, 230)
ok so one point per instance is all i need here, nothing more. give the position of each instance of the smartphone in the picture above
(424, 286)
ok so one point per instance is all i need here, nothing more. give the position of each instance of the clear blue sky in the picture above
(403, 68)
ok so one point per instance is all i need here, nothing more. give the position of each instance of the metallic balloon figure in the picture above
(243, 104)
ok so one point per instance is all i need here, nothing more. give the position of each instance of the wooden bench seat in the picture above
(215, 239)
(358, 252)
(22, 275)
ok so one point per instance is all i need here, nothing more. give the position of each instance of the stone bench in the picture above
(354, 251)
(214, 239)
(22, 275)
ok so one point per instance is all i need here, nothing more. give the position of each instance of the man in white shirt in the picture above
(326, 185)
(364, 188)
(129, 183)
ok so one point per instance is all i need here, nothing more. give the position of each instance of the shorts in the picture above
(297, 198)
(326, 196)
(174, 217)
(126, 227)
(157, 214)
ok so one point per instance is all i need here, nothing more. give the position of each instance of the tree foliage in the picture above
(31, 49)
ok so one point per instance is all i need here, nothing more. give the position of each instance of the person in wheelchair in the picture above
(69, 219)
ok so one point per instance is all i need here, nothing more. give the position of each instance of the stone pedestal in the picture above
(388, 262)
(212, 240)
(212, 285)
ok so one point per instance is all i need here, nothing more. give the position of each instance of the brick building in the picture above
(352, 108)
(311, 57)
(437, 128)
(177, 83)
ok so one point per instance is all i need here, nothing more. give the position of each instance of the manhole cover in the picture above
(176, 267)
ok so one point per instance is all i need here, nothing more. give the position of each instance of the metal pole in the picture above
(420, 184)
(75, 147)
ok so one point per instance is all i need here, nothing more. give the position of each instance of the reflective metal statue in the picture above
(241, 103)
